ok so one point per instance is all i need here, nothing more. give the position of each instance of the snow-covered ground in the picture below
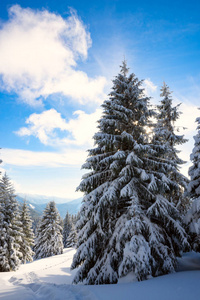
(50, 278)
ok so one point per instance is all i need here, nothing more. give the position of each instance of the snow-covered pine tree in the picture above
(125, 222)
(74, 219)
(66, 228)
(71, 240)
(3, 245)
(48, 240)
(28, 236)
(192, 218)
(61, 222)
(165, 136)
(10, 227)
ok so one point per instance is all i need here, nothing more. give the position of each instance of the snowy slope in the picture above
(50, 278)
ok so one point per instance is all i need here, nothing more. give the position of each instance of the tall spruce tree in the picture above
(10, 227)
(165, 136)
(28, 235)
(193, 216)
(48, 240)
(126, 224)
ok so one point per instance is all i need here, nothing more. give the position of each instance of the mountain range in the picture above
(38, 203)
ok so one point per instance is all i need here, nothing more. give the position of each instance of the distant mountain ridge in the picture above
(38, 204)
(41, 199)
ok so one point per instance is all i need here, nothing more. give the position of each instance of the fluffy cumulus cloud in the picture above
(83, 127)
(39, 54)
(45, 127)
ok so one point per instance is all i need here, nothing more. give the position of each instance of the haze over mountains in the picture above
(38, 203)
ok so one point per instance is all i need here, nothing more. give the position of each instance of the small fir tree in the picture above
(71, 240)
(193, 216)
(126, 224)
(165, 136)
(66, 228)
(10, 228)
(4, 262)
(49, 235)
(28, 235)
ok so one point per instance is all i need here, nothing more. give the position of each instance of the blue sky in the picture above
(57, 62)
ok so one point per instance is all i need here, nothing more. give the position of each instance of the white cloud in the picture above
(187, 119)
(24, 158)
(62, 187)
(42, 126)
(2, 170)
(39, 54)
(83, 127)
(149, 86)
(45, 173)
